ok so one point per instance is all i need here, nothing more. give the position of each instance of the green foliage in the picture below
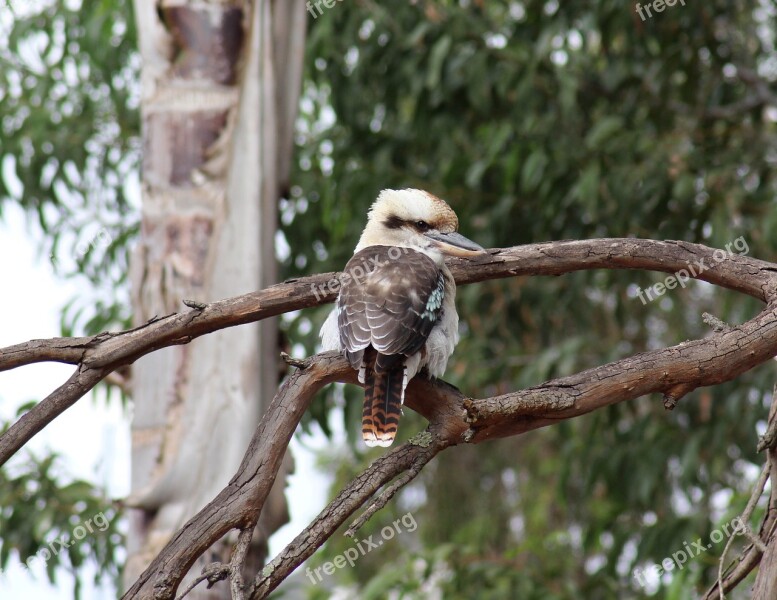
(69, 124)
(538, 121)
(47, 521)
(69, 149)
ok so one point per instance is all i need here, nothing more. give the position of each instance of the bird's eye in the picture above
(422, 225)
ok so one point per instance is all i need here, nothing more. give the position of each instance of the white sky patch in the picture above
(559, 57)
(282, 248)
(496, 40)
(10, 178)
(92, 436)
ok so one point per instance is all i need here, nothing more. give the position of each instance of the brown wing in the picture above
(390, 299)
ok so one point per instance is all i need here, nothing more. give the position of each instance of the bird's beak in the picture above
(454, 244)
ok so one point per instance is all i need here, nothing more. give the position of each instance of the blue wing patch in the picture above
(434, 303)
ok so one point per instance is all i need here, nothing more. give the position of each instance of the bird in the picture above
(395, 312)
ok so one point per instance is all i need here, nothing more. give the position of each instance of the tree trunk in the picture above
(220, 87)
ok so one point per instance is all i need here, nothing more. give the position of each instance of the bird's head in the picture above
(416, 219)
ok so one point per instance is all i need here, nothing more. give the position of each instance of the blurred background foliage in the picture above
(537, 121)
(70, 142)
(69, 155)
(49, 518)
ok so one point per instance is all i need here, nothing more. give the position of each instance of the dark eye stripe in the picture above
(394, 222)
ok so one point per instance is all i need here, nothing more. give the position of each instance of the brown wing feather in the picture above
(392, 305)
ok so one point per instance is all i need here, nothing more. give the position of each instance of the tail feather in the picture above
(382, 404)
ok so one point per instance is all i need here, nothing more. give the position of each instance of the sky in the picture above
(93, 435)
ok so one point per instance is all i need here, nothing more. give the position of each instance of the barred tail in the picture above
(382, 404)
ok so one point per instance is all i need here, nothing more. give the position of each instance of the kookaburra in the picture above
(395, 313)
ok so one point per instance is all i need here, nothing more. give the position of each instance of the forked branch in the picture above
(453, 418)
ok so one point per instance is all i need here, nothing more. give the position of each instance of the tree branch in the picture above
(711, 361)
(406, 458)
(752, 554)
(453, 418)
(109, 351)
(765, 586)
(40, 415)
(237, 585)
(741, 273)
(424, 439)
(65, 350)
(238, 505)
(213, 573)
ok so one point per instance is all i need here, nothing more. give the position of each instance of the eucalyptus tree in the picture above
(538, 121)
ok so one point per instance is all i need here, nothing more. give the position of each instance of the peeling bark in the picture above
(210, 189)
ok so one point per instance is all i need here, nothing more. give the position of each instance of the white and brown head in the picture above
(415, 219)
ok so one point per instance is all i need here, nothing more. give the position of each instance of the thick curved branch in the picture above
(407, 458)
(750, 276)
(40, 415)
(238, 505)
(109, 351)
(693, 364)
(453, 418)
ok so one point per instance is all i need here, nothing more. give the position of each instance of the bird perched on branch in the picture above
(395, 313)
